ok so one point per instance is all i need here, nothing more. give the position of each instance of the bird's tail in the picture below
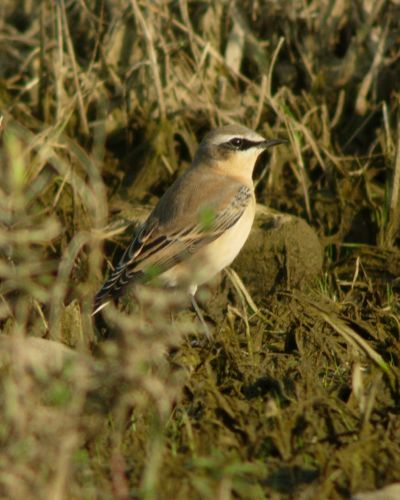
(99, 307)
(113, 288)
(110, 289)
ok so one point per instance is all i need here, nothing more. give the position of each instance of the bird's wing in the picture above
(157, 247)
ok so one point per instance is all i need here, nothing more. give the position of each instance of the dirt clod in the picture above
(282, 251)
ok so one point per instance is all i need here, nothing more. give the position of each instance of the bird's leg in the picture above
(201, 317)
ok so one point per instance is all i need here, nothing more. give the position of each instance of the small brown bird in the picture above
(200, 223)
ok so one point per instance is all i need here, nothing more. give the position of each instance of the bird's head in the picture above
(233, 148)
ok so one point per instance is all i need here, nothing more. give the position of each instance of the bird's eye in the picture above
(236, 142)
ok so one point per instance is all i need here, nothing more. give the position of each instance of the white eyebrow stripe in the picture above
(220, 139)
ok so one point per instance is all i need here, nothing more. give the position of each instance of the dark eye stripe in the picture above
(240, 144)
(246, 144)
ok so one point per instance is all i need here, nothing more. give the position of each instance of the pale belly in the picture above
(211, 259)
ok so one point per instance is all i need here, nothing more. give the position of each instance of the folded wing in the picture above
(159, 246)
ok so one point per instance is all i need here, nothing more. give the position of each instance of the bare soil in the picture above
(102, 106)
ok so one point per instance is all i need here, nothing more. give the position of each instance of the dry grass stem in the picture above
(102, 106)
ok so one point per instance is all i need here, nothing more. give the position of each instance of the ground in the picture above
(103, 104)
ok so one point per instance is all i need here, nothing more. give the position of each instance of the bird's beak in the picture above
(268, 143)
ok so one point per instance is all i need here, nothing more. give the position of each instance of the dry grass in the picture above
(103, 104)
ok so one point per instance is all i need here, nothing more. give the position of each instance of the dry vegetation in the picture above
(103, 104)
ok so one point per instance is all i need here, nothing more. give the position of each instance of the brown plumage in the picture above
(201, 222)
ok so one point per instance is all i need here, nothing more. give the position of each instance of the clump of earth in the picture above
(282, 252)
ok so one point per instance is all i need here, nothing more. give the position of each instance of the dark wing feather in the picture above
(158, 249)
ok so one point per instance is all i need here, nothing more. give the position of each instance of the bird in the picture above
(200, 223)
